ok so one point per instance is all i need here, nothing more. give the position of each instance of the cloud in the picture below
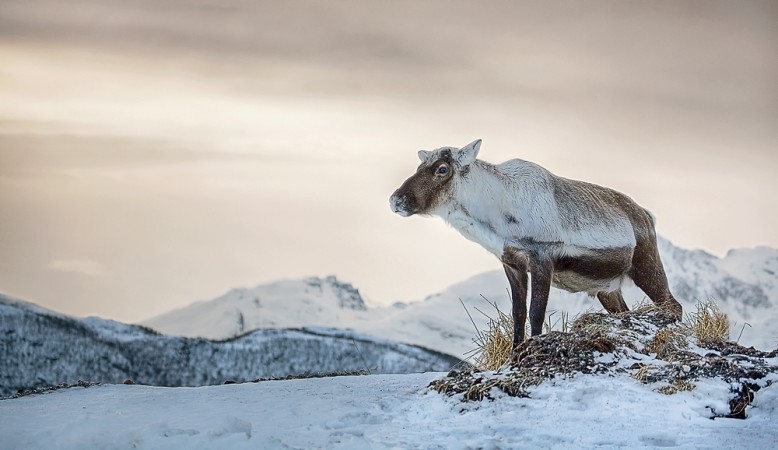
(81, 266)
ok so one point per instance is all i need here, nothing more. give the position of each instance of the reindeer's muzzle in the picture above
(400, 204)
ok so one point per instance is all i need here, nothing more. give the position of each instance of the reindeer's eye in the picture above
(442, 170)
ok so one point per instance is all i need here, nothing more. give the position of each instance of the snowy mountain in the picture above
(287, 303)
(42, 348)
(744, 283)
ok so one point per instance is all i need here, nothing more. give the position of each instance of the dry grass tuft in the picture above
(643, 305)
(642, 373)
(676, 386)
(708, 325)
(495, 343)
(592, 323)
(668, 342)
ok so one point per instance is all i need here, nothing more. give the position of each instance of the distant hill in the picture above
(744, 283)
(42, 348)
(287, 303)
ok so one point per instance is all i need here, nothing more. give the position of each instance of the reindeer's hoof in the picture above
(674, 309)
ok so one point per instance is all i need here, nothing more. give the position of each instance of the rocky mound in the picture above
(646, 345)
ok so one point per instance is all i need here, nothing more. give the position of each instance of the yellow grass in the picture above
(676, 386)
(494, 344)
(708, 325)
(667, 342)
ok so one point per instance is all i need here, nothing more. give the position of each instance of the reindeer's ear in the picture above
(424, 155)
(469, 153)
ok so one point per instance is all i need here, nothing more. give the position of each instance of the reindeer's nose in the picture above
(399, 204)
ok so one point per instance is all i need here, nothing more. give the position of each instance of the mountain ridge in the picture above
(740, 282)
(42, 348)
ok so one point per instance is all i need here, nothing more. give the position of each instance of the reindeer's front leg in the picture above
(542, 271)
(516, 264)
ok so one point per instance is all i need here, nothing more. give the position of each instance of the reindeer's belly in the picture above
(593, 271)
(573, 282)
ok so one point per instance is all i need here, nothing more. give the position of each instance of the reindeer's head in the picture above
(432, 183)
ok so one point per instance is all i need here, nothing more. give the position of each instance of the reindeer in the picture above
(570, 234)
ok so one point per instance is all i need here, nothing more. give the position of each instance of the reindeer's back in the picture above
(583, 205)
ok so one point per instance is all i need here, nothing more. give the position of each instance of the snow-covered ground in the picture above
(384, 411)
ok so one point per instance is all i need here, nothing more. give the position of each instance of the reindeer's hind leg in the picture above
(649, 275)
(613, 302)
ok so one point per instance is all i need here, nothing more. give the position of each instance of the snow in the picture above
(384, 411)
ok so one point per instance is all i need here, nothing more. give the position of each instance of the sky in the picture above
(154, 154)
